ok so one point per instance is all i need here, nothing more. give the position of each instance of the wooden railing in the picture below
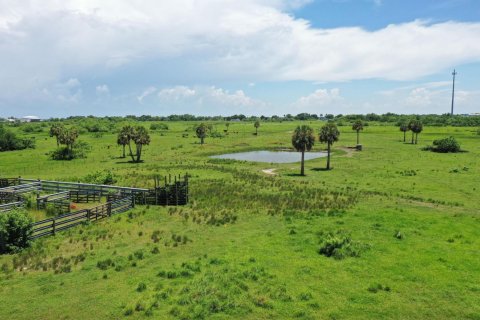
(10, 206)
(69, 220)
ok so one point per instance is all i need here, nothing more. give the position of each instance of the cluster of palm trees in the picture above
(414, 125)
(139, 135)
(64, 135)
(303, 139)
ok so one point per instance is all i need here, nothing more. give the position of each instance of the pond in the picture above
(271, 156)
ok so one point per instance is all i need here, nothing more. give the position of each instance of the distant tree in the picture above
(141, 138)
(123, 140)
(201, 132)
(127, 133)
(227, 125)
(303, 140)
(139, 135)
(15, 231)
(68, 137)
(329, 134)
(256, 125)
(56, 130)
(404, 129)
(416, 126)
(357, 126)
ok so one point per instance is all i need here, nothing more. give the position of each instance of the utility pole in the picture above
(454, 73)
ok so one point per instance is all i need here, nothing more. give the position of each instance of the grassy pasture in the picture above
(247, 245)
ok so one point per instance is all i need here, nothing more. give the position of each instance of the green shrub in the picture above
(15, 230)
(100, 177)
(9, 141)
(79, 151)
(158, 126)
(339, 247)
(445, 145)
(141, 287)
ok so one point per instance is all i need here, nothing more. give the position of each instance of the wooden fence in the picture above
(119, 199)
(62, 196)
(10, 206)
(66, 221)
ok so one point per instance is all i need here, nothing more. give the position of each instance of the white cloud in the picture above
(43, 42)
(148, 91)
(102, 89)
(46, 39)
(211, 100)
(176, 93)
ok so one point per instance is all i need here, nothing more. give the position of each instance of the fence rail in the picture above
(119, 199)
(10, 206)
(69, 220)
(104, 190)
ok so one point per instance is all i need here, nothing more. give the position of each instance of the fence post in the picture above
(109, 209)
(133, 200)
(53, 226)
(88, 214)
(176, 192)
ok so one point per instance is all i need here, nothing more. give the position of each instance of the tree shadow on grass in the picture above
(321, 169)
(294, 175)
(128, 162)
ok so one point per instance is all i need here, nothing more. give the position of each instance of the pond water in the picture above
(271, 156)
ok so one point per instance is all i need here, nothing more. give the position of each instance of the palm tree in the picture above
(416, 126)
(56, 130)
(404, 129)
(201, 132)
(68, 137)
(357, 126)
(141, 138)
(122, 140)
(127, 133)
(256, 125)
(303, 140)
(329, 134)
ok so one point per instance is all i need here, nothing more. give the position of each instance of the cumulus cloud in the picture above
(43, 42)
(47, 39)
(321, 101)
(102, 89)
(210, 100)
(148, 91)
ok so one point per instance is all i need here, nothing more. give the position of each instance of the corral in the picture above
(62, 196)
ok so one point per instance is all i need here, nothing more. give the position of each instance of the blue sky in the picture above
(212, 57)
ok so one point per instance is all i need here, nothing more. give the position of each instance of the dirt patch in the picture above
(270, 172)
(349, 150)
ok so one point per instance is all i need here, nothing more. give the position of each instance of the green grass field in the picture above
(247, 245)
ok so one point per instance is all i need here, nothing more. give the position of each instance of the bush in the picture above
(15, 230)
(158, 126)
(9, 141)
(79, 151)
(445, 145)
(339, 247)
(100, 177)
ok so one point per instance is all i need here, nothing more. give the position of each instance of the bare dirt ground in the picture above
(270, 171)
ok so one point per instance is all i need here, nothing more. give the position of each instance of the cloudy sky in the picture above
(222, 57)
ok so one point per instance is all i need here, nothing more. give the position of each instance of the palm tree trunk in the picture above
(139, 152)
(256, 131)
(123, 155)
(404, 135)
(302, 168)
(328, 157)
(201, 140)
(416, 138)
(358, 137)
(131, 153)
(413, 134)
